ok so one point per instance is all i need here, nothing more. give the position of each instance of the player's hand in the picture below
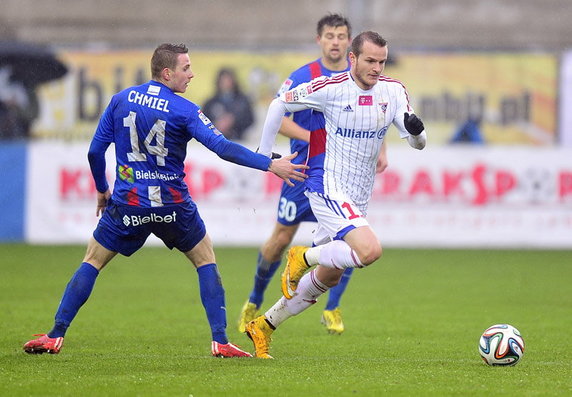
(286, 170)
(413, 124)
(102, 199)
(381, 164)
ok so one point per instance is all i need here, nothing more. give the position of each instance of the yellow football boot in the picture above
(247, 314)
(296, 266)
(259, 331)
(332, 319)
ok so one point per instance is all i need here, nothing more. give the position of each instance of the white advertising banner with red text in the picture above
(440, 197)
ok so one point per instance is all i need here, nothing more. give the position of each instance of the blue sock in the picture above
(77, 291)
(337, 291)
(264, 273)
(212, 296)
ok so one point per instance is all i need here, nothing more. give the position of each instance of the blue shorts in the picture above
(294, 206)
(124, 228)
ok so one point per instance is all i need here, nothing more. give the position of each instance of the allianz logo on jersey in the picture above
(357, 134)
(138, 220)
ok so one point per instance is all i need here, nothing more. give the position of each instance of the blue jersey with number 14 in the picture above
(150, 126)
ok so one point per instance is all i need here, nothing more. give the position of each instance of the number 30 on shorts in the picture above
(287, 209)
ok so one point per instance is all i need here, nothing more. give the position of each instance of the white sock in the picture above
(307, 293)
(336, 254)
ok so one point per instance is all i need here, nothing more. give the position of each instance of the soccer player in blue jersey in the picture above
(334, 37)
(150, 126)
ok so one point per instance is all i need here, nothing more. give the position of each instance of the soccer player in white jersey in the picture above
(334, 38)
(358, 107)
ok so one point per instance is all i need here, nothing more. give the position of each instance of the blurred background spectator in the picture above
(229, 109)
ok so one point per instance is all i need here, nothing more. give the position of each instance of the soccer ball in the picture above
(501, 344)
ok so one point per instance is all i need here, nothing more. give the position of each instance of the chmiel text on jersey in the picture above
(149, 101)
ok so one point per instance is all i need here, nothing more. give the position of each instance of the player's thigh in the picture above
(284, 233)
(202, 253)
(339, 218)
(97, 255)
(365, 244)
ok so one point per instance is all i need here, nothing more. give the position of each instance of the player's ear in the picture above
(166, 74)
(352, 57)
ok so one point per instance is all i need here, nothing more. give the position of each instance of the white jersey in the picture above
(342, 158)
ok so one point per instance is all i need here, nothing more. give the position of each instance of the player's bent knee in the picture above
(370, 254)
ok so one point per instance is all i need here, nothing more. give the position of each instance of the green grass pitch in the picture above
(413, 320)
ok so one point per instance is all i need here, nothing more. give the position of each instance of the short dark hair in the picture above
(335, 20)
(373, 37)
(165, 56)
(227, 71)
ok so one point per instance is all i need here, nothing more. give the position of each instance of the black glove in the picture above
(413, 124)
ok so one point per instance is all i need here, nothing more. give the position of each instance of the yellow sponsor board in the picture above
(71, 107)
(512, 94)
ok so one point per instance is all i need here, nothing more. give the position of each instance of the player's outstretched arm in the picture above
(286, 170)
(272, 124)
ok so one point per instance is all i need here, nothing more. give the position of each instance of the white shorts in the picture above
(336, 216)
